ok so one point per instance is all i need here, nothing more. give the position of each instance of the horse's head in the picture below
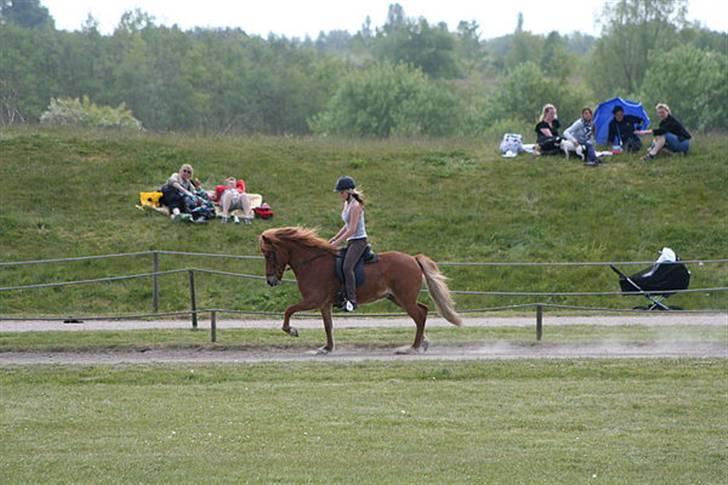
(276, 260)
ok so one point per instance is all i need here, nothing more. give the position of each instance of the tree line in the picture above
(406, 77)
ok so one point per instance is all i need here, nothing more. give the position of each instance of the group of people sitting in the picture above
(624, 134)
(186, 200)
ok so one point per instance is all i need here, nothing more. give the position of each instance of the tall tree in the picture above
(25, 13)
(555, 61)
(430, 48)
(693, 82)
(632, 29)
(395, 17)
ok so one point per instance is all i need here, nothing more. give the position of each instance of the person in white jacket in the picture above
(581, 132)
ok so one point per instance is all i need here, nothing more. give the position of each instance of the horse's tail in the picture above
(437, 287)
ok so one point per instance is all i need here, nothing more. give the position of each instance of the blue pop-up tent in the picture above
(603, 115)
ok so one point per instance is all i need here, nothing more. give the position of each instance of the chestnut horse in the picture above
(395, 275)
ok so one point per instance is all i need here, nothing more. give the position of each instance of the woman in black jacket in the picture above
(547, 131)
(671, 134)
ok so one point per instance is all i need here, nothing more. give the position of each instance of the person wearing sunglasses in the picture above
(178, 187)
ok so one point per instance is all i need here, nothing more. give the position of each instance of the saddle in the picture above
(368, 256)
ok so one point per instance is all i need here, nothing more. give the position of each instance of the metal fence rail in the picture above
(288, 280)
(194, 311)
(440, 263)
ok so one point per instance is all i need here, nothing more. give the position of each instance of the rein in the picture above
(306, 261)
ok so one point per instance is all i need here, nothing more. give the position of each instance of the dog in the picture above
(569, 147)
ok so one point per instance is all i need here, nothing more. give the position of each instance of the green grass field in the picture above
(594, 421)
(72, 193)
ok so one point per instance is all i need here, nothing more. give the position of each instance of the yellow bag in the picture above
(150, 199)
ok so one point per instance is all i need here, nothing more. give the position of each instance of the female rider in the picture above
(353, 232)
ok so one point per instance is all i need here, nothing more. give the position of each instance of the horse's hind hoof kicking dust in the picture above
(397, 276)
(410, 350)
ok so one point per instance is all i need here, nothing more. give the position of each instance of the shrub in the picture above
(693, 83)
(385, 99)
(82, 112)
(522, 94)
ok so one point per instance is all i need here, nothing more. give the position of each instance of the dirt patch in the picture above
(665, 348)
(492, 351)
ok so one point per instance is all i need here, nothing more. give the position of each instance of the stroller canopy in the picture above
(603, 115)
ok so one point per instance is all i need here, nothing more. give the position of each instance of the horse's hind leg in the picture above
(423, 342)
(418, 313)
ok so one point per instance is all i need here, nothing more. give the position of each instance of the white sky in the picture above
(297, 18)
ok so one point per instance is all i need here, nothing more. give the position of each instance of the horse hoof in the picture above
(425, 345)
(292, 331)
(323, 351)
(406, 350)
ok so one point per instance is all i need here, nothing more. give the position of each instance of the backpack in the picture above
(263, 211)
(151, 199)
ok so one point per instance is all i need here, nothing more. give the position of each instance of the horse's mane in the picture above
(298, 235)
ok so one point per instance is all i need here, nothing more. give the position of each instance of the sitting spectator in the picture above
(547, 131)
(183, 197)
(174, 191)
(581, 132)
(200, 205)
(622, 130)
(220, 189)
(233, 198)
(671, 134)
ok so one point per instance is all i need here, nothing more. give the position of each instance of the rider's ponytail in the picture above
(358, 195)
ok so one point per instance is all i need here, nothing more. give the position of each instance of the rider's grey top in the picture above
(360, 232)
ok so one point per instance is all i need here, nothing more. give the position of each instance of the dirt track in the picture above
(495, 350)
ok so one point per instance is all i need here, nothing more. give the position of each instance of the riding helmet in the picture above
(345, 183)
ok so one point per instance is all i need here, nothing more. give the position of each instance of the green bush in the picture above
(522, 94)
(693, 83)
(84, 113)
(385, 99)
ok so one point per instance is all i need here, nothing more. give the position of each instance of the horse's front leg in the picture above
(329, 329)
(300, 306)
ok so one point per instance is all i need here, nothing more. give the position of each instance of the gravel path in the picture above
(490, 351)
(364, 322)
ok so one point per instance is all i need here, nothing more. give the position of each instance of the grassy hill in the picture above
(72, 193)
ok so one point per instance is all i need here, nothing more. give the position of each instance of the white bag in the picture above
(511, 145)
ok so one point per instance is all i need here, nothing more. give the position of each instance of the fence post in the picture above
(193, 300)
(213, 326)
(155, 281)
(539, 322)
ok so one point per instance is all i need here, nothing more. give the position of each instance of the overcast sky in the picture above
(298, 18)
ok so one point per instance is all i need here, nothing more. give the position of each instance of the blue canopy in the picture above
(603, 115)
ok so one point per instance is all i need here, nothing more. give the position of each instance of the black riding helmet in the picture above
(345, 183)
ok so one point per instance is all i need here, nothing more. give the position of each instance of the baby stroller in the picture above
(656, 282)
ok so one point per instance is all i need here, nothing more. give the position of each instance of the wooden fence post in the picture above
(213, 326)
(539, 322)
(193, 300)
(155, 281)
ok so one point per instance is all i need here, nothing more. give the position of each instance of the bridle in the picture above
(271, 256)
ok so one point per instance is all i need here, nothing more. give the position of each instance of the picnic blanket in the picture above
(150, 201)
